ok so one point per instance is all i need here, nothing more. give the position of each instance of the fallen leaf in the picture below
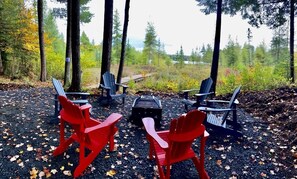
(14, 158)
(33, 173)
(29, 148)
(54, 171)
(41, 174)
(62, 168)
(227, 167)
(111, 173)
(219, 162)
(67, 173)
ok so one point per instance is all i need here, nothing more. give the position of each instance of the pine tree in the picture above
(150, 42)
(117, 36)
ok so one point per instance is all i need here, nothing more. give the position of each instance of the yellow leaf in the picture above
(33, 173)
(62, 168)
(111, 173)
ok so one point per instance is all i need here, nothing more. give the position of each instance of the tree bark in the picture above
(1, 64)
(216, 51)
(107, 38)
(292, 73)
(41, 40)
(124, 38)
(75, 45)
(68, 55)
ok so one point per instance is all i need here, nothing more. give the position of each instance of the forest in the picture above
(255, 67)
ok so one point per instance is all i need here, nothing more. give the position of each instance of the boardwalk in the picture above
(126, 79)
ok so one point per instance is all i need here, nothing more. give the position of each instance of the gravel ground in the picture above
(28, 138)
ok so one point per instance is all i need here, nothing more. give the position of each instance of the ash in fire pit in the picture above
(146, 106)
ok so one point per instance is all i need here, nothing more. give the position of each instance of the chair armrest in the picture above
(120, 84)
(77, 93)
(189, 90)
(104, 87)
(111, 119)
(186, 92)
(208, 109)
(217, 101)
(221, 101)
(85, 107)
(203, 94)
(149, 125)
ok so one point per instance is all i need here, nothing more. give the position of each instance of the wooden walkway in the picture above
(127, 79)
(134, 78)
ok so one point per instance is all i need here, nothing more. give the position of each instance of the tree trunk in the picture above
(41, 40)
(292, 73)
(68, 55)
(107, 38)
(216, 51)
(75, 47)
(124, 38)
(1, 64)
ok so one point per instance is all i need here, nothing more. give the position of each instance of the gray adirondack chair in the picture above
(217, 117)
(76, 97)
(202, 94)
(109, 89)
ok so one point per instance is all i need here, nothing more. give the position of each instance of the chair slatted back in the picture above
(231, 103)
(72, 114)
(205, 88)
(58, 87)
(205, 85)
(183, 131)
(109, 81)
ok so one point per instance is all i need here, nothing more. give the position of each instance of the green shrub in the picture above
(254, 78)
(55, 65)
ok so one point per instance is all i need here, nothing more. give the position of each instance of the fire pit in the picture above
(146, 106)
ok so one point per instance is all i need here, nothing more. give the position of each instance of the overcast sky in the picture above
(177, 23)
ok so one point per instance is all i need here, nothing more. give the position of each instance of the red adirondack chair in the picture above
(174, 145)
(88, 132)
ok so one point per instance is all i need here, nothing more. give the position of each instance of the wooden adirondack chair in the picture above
(89, 133)
(204, 92)
(217, 118)
(174, 145)
(109, 88)
(81, 97)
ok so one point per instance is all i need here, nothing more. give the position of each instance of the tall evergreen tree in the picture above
(261, 55)
(52, 33)
(150, 42)
(279, 44)
(250, 37)
(117, 36)
(207, 53)
(181, 57)
(232, 51)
